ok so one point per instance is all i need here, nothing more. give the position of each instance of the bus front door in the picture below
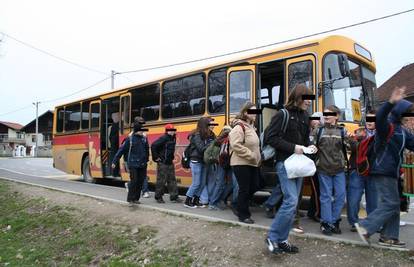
(240, 89)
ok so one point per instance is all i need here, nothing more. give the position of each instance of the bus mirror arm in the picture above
(328, 84)
(344, 65)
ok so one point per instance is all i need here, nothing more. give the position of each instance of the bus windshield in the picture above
(354, 95)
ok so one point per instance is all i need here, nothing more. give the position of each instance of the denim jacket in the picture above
(139, 155)
(388, 153)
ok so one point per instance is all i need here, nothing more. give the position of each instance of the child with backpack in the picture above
(331, 166)
(358, 184)
(385, 163)
(212, 156)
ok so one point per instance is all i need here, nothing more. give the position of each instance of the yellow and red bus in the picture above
(339, 71)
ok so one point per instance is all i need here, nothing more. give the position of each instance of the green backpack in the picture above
(211, 154)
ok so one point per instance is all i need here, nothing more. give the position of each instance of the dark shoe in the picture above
(136, 202)
(335, 228)
(391, 243)
(287, 248)
(269, 213)
(235, 211)
(326, 229)
(196, 202)
(176, 200)
(160, 200)
(353, 228)
(272, 246)
(363, 234)
(189, 203)
(247, 220)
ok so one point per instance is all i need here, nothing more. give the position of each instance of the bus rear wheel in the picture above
(86, 171)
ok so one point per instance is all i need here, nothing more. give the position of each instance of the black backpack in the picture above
(185, 159)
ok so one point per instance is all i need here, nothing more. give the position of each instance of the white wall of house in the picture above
(31, 139)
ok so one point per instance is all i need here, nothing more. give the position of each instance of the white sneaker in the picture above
(402, 223)
(126, 187)
(146, 195)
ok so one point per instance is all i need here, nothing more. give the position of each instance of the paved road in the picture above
(40, 172)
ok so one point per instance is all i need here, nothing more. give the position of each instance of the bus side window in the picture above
(125, 109)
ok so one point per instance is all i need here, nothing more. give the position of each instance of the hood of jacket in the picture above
(399, 108)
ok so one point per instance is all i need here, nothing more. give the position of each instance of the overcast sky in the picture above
(129, 35)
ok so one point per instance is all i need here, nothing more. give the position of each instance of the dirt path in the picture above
(219, 244)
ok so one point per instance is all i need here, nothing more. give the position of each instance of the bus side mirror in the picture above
(343, 65)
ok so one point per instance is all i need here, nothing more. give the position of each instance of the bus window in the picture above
(240, 87)
(125, 109)
(217, 91)
(72, 118)
(184, 97)
(59, 120)
(85, 115)
(95, 115)
(300, 72)
(346, 93)
(146, 102)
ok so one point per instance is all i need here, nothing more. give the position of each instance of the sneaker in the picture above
(391, 243)
(176, 200)
(160, 200)
(146, 195)
(247, 220)
(335, 228)
(287, 248)
(203, 205)
(126, 187)
(353, 228)
(189, 203)
(298, 230)
(136, 202)
(131, 204)
(272, 246)
(326, 229)
(363, 233)
(196, 202)
(402, 223)
(213, 207)
(269, 213)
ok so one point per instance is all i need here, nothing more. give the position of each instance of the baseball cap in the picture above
(169, 126)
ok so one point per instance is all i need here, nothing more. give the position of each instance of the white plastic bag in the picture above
(299, 165)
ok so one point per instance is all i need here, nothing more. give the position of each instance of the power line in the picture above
(16, 110)
(58, 98)
(52, 55)
(77, 92)
(272, 44)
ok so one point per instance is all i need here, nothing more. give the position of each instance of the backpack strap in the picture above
(244, 131)
(285, 120)
(344, 147)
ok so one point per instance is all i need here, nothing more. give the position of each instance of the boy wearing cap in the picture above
(162, 151)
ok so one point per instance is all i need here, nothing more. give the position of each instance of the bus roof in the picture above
(224, 63)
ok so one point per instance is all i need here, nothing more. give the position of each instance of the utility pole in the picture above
(113, 73)
(37, 126)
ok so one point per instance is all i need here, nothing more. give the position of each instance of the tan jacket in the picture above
(247, 153)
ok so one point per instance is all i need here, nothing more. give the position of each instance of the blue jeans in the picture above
(282, 223)
(387, 214)
(198, 172)
(356, 186)
(275, 197)
(219, 187)
(232, 187)
(145, 185)
(209, 187)
(332, 204)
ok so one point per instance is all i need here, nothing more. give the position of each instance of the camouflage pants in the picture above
(166, 175)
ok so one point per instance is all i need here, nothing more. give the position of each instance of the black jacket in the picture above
(198, 146)
(164, 148)
(297, 133)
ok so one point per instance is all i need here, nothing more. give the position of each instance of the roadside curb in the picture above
(206, 218)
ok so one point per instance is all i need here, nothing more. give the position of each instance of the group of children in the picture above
(229, 164)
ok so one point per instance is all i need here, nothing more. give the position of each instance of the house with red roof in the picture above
(403, 77)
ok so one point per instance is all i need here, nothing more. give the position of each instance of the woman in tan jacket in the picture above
(245, 158)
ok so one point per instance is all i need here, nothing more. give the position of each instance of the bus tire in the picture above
(86, 171)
